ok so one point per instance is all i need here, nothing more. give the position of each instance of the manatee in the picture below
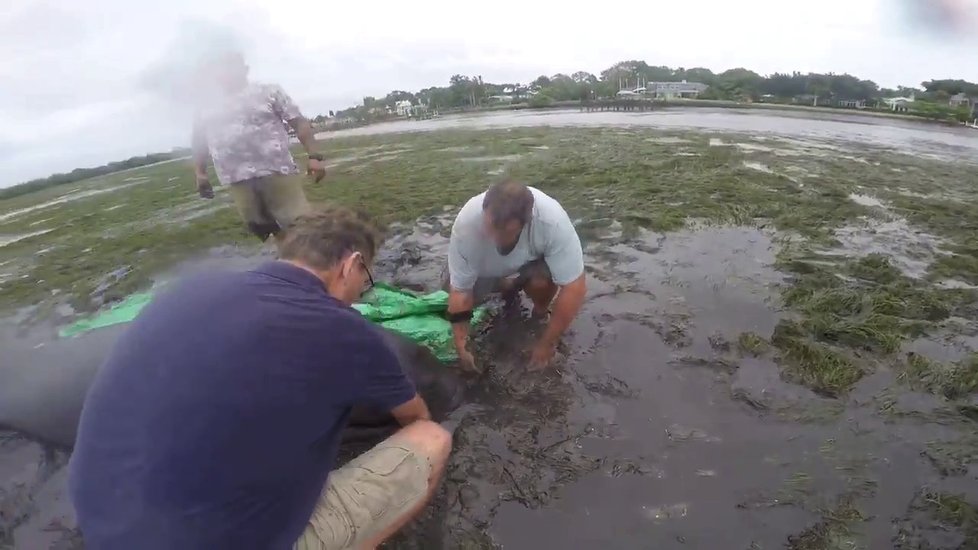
(42, 389)
(441, 388)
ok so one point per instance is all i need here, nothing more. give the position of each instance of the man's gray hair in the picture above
(323, 237)
(507, 201)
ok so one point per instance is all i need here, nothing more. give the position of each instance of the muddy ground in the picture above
(658, 430)
(777, 349)
(655, 430)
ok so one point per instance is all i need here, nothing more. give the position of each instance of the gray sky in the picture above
(81, 80)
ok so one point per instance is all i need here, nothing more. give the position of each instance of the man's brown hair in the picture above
(508, 200)
(323, 237)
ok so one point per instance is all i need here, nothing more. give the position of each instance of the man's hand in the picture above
(466, 361)
(204, 188)
(316, 169)
(461, 301)
(543, 354)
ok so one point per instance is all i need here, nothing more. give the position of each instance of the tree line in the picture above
(739, 84)
(79, 174)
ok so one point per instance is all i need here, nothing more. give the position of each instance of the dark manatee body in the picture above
(42, 389)
(440, 387)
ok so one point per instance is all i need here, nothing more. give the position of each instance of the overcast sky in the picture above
(81, 80)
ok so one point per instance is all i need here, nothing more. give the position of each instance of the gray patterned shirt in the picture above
(247, 133)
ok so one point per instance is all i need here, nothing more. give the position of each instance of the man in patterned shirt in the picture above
(243, 127)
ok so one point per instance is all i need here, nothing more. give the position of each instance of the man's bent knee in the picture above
(540, 284)
(429, 438)
(374, 494)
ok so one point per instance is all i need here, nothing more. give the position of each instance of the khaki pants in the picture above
(366, 496)
(270, 203)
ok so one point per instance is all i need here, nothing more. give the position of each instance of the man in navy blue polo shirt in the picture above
(216, 420)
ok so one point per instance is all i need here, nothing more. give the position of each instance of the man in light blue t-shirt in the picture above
(513, 229)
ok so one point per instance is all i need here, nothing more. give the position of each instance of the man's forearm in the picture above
(200, 163)
(460, 302)
(569, 300)
(303, 131)
(412, 411)
(460, 333)
(199, 152)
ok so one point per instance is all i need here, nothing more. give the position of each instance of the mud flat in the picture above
(777, 349)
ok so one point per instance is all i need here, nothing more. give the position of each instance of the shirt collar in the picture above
(291, 273)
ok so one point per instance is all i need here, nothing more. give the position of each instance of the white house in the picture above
(402, 108)
(670, 90)
(900, 103)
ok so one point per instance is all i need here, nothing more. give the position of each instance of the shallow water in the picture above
(909, 249)
(865, 200)
(72, 195)
(11, 239)
(805, 129)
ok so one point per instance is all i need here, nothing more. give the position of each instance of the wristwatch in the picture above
(316, 156)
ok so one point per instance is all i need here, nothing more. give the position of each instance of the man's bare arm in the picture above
(460, 302)
(303, 130)
(200, 153)
(201, 156)
(412, 411)
(568, 303)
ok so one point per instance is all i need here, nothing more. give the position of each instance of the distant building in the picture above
(672, 90)
(852, 103)
(813, 100)
(421, 112)
(402, 108)
(961, 100)
(900, 104)
(332, 123)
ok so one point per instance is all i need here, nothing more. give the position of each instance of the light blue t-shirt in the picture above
(550, 235)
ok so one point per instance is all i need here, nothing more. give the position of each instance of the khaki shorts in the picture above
(485, 287)
(368, 495)
(270, 203)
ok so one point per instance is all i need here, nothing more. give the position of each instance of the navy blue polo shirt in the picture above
(216, 419)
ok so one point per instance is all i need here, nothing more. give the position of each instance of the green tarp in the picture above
(121, 312)
(418, 317)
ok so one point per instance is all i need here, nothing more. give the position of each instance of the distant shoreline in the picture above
(841, 112)
(845, 111)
